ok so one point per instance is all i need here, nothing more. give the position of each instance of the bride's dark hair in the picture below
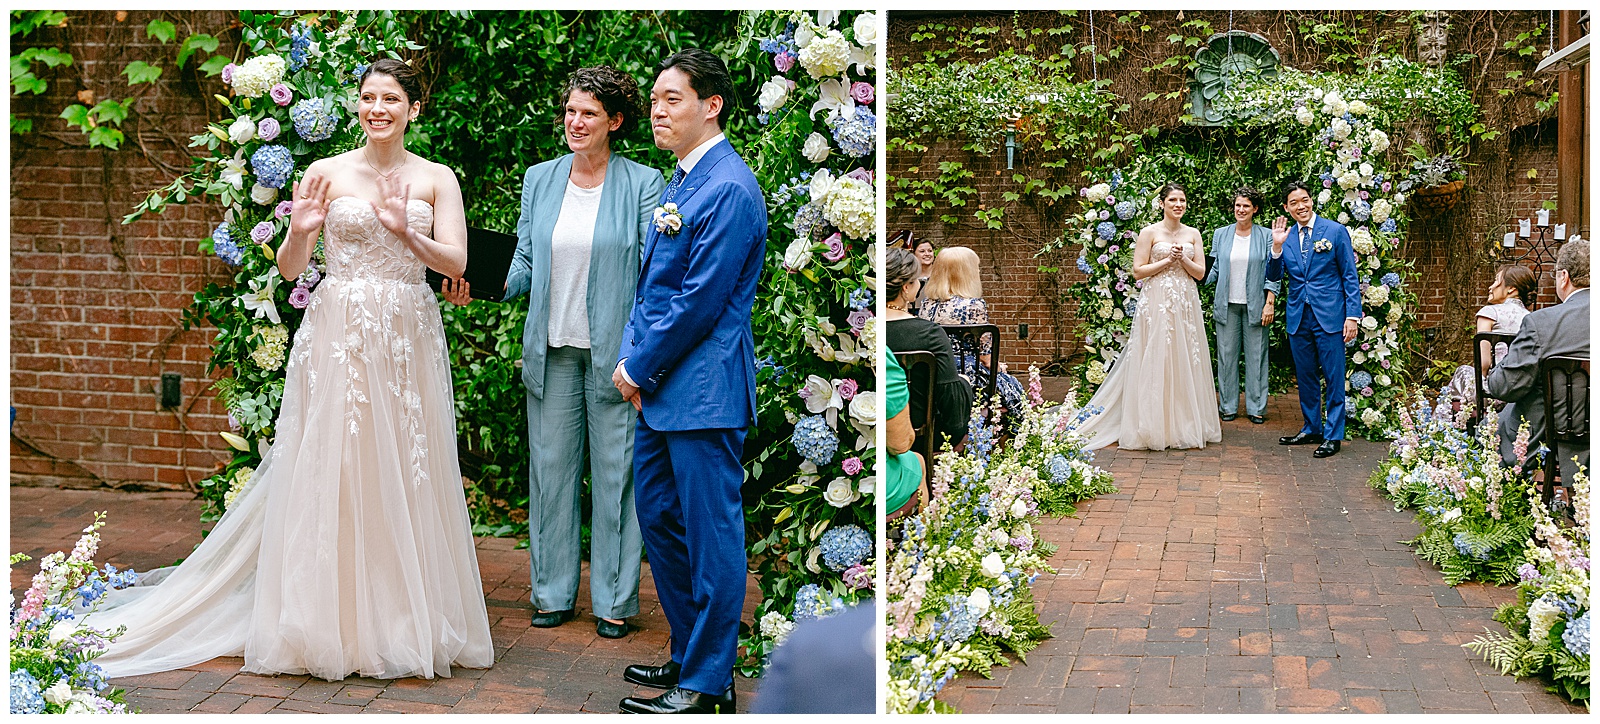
(1171, 187)
(409, 79)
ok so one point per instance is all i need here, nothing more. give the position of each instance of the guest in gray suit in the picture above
(1561, 330)
(1244, 306)
(579, 240)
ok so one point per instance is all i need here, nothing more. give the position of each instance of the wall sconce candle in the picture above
(1544, 217)
(1526, 228)
(1510, 241)
(1561, 232)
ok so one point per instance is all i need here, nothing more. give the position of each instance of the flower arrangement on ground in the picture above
(52, 648)
(1471, 506)
(1548, 625)
(958, 596)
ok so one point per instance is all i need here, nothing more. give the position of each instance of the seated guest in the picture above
(952, 395)
(1510, 296)
(826, 666)
(926, 254)
(905, 480)
(954, 295)
(1561, 330)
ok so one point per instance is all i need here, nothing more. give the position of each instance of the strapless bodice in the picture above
(357, 246)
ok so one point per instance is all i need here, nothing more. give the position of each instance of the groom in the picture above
(688, 363)
(1324, 311)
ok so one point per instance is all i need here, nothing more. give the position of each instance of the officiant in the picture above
(579, 238)
(1243, 307)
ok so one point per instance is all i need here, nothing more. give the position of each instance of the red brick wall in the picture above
(95, 305)
(1452, 254)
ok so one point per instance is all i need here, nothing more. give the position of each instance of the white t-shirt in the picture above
(570, 244)
(1238, 269)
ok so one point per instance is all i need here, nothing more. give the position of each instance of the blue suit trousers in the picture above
(686, 486)
(1316, 351)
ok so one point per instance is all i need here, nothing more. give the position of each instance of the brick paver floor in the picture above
(1250, 577)
(562, 670)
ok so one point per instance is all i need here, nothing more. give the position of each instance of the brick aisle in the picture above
(1249, 577)
(563, 670)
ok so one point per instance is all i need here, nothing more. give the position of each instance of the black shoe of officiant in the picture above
(680, 701)
(610, 630)
(664, 676)
(550, 619)
(1257, 419)
(1230, 416)
(1304, 438)
(1327, 449)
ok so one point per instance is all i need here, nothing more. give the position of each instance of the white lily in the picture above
(826, 18)
(835, 98)
(864, 58)
(233, 170)
(260, 298)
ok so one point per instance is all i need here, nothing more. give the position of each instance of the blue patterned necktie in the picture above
(1304, 232)
(672, 186)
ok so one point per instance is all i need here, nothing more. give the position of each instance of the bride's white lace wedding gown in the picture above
(351, 551)
(1160, 393)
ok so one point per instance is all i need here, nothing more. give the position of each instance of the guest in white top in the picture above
(584, 219)
(1510, 296)
(1243, 307)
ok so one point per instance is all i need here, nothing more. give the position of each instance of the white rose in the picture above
(798, 255)
(62, 630)
(264, 195)
(840, 493)
(993, 566)
(1324, 196)
(774, 93)
(816, 148)
(1019, 508)
(1384, 380)
(59, 693)
(1372, 262)
(1344, 218)
(1358, 357)
(979, 599)
(1399, 199)
(866, 27)
(999, 537)
(1366, 169)
(821, 184)
(864, 409)
(822, 395)
(1369, 323)
(242, 131)
(1378, 141)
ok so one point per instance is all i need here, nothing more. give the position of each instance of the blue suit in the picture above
(689, 347)
(1322, 294)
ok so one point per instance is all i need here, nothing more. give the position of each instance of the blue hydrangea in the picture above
(1391, 280)
(1361, 210)
(1083, 264)
(815, 440)
(845, 546)
(356, 73)
(959, 622)
(225, 247)
(811, 602)
(1576, 638)
(1130, 306)
(857, 136)
(1463, 543)
(1126, 210)
(311, 120)
(1116, 179)
(1105, 230)
(1389, 226)
(272, 165)
(1360, 379)
(1060, 469)
(808, 222)
(861, 298)
(25, 695)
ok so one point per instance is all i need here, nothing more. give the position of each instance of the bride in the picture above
(1159, 393)
(350, 551)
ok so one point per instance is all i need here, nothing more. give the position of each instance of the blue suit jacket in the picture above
(1321, 283)
(1256, 283)
(688, 344)
(626, 204)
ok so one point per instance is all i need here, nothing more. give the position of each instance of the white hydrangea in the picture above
(1341, 130)
(1303, 115)
(1358, 108)
(776, 626)
(1378, 141)
(1381, 209)
(826, 55)
(257, 75)
(1371, 417)
(1096, 194)
(852, 206)
(1334, 105)
(1542, 614)
(1375, 296)
(1395, 314)
(1349, 180)
(1361, 241)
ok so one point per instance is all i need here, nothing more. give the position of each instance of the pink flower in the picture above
(860, 174)
(852, 465)
(858, 576)
(858, 320)
(283, 209)
(268, 129)
(836, 248)
(227, 73)
(862, 92)
(783, 62)
(847, 391)
(300, 297)
(1367, 391)
(281, 94)
(1385, 364)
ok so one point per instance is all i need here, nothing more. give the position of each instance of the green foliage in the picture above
(23, 79)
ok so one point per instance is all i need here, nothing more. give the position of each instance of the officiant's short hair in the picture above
(708, 76)
(1574, 258)
(617, 91)
(1297, 184)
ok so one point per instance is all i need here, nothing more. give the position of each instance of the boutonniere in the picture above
(1322, 245)
(668, 220)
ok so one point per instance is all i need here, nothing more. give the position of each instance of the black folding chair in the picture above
(1566, 415)
(921, 375)
(1483, 344)
(967, 339)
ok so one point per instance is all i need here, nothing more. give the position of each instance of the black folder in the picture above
(489, 255)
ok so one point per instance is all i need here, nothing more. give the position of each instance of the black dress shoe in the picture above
(1326, 449)
(664, 676)
(550, 619)
(1257, 419)
(610, 630)
(1230, 416)
(681, 701)
(1303, 438)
